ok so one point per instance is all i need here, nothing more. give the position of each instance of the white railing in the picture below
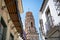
(57, 5)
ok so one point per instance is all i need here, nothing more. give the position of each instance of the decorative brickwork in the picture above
(30, 29)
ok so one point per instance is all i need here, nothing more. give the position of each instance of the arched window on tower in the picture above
(31, 24)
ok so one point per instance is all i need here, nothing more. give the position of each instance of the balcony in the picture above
(57, 6)
(48, 25)
(52, 32)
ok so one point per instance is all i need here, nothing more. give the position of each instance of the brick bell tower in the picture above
(31, 33)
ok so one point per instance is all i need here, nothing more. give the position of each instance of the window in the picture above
(3, 30)
(31, 24)
(49, 17)
(59, 14)
(57, 6)
(49, 22)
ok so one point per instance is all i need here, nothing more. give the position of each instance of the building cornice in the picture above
(20, 6)
(43, 5)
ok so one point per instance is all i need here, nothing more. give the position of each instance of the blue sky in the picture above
(33, 6)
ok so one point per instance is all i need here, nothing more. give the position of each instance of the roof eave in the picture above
(20, 6)
(42, 5)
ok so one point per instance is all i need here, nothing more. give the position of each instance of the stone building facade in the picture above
(9, 30)
(50, 20)
(31, 33)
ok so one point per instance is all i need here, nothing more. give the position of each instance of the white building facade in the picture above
(50, 19)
